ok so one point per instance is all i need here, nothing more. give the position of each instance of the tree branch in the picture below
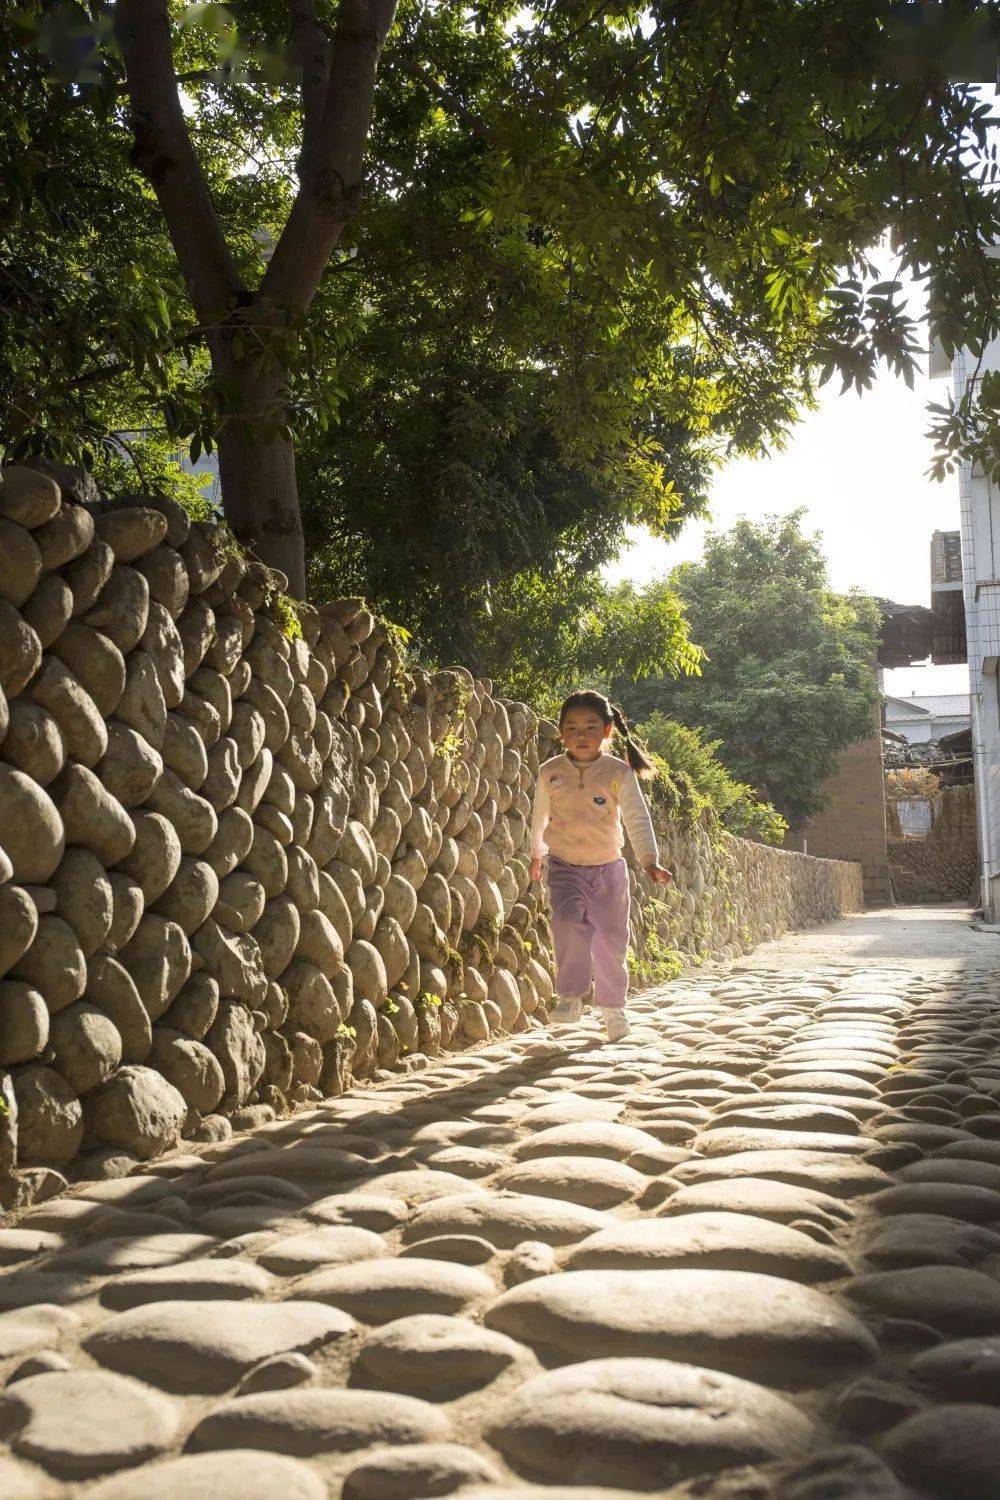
(445, 96)
(163, 152)
(97, 373)
(312, 49)
(331, 179)
(225, 73)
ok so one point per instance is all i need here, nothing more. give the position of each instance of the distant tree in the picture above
(789, 676)
(230, 224)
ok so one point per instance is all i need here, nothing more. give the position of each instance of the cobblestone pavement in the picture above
(752, 1252)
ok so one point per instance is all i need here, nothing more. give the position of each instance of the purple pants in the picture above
(590, 905)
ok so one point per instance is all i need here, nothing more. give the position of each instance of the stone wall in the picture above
(944, 866)
(730, 894)
(239, 865)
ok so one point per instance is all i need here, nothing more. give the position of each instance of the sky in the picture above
(858, 466)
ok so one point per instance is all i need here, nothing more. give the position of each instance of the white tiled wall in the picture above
(985, 725)
(988, 627)
(980, 507)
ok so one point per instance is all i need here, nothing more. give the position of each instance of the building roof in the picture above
(935, 705)
(907, 633)
(958, 742)
(912, 632)
(911, 706)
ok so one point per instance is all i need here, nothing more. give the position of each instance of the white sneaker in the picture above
(567, 1010)
(616, 1024)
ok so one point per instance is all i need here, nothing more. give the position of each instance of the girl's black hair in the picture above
(609, 713)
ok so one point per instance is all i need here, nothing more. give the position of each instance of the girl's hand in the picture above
(658, 875)
(536, 869)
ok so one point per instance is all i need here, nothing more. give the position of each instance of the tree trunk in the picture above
(256, 452)
(257, 475)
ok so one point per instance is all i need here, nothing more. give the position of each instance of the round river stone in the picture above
(737, 1321)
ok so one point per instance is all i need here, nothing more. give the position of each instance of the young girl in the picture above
(581, 801)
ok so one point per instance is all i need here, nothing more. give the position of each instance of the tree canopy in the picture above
(788, 679)
(594, 248)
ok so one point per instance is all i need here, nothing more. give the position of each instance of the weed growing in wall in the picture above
(656, 958)
(283, 610)
(657, 962)
(451, 743)
(400, 638)
(278, 606)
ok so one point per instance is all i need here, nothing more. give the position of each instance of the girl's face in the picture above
(583, 733)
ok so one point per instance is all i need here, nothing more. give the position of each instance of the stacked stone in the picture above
(232, 864)
(450, 945)
(748, 1252)
(944, 866)
(924, 872)
(729, 894)
(703, 913)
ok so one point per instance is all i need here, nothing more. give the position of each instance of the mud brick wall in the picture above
(944, 866)
(241, 865)
(853, 824)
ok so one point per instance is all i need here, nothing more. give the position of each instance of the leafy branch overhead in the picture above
(509, 277)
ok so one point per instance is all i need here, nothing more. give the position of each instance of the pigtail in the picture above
(634, 753)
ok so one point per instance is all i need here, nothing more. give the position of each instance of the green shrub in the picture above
(657, 963)
(690, 780)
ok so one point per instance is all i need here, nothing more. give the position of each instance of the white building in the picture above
(920, 718)
(980, 509)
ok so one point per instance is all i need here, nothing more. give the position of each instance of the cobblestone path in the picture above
(753, 1253)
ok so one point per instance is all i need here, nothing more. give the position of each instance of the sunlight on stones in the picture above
(686, 1266)
(307, 1422)
(83, 1422)
(429, 1353)
(207, 1346)
(644, 1423)
(741, 1322)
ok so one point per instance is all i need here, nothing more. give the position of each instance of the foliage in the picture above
(284, 612)
(675, 797)
(541, 635)
(655, 961)
(87, 327)
(751, 818)
(911, 782)
(789, 679)
(479, 489)
(149, 465)
(450, 744)
(687, 759)
(965, 427)
(598, 248)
